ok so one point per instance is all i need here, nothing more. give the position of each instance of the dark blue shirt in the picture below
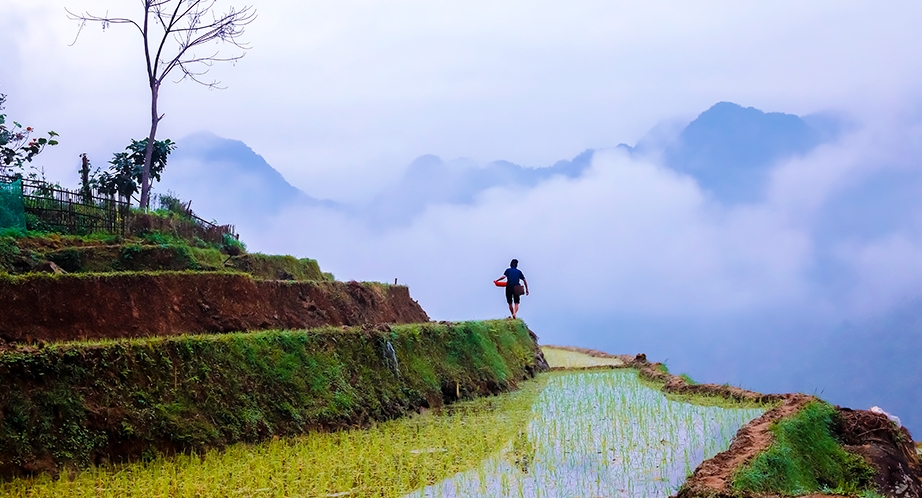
(513, 275)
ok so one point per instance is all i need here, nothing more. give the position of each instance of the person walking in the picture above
(514, 289)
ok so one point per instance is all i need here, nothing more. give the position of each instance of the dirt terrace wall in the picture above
(77, 404)
(68, 307)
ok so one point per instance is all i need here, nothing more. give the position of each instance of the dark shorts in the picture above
(510, 295)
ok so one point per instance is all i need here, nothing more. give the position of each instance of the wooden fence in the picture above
(211, 228)
(49, 207)
(52, 208)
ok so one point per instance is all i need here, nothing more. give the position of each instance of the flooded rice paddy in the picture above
(600, 433)
(557, 357)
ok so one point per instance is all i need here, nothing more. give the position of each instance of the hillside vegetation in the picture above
(83, 403)
(25, 252)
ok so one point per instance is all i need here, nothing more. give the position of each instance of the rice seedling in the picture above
(601, 434)
(388, 459)
(562, 358)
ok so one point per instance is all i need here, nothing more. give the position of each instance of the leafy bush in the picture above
(172, 204)
(17, 146)
(14, 232)
(232, 246)
(157, 237)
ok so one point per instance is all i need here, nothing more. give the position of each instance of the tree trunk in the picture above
(149, 151)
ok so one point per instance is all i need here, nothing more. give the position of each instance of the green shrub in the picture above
(170, 203)
(13, 232)
(232, 246)
(159, 238)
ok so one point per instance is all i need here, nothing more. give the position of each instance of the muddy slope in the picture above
(889, 450)
(68, 307)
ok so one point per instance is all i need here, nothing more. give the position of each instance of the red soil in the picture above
(46, 308)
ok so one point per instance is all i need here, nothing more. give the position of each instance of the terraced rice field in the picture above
(388, 459)
(601, 433)
(589, 433)
(563, 358)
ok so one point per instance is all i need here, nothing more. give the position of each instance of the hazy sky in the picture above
(340, 96)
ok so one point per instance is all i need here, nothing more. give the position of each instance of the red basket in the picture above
(499, 283)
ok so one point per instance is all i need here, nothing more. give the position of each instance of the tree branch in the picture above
(181, 28)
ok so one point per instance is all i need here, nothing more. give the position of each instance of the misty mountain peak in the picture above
(226, 179)
(730, 149)
(426, 161)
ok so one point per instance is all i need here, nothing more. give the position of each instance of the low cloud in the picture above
(628, 236)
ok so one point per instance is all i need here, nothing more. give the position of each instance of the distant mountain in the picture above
(226, 180)
(430, 180)
(730, 149)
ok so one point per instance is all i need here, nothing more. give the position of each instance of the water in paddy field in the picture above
(600, 434)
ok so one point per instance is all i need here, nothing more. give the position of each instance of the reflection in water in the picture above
(599, 434)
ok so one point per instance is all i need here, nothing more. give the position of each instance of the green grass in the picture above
(706, 399)
(68, 402)
(273, 267)
(688, 380)
(805, 458)
(150, 250)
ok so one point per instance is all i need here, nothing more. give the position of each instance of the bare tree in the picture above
(171, 31)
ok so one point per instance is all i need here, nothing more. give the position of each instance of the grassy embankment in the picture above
(81, 403)
(22, 252)
(805, 458)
